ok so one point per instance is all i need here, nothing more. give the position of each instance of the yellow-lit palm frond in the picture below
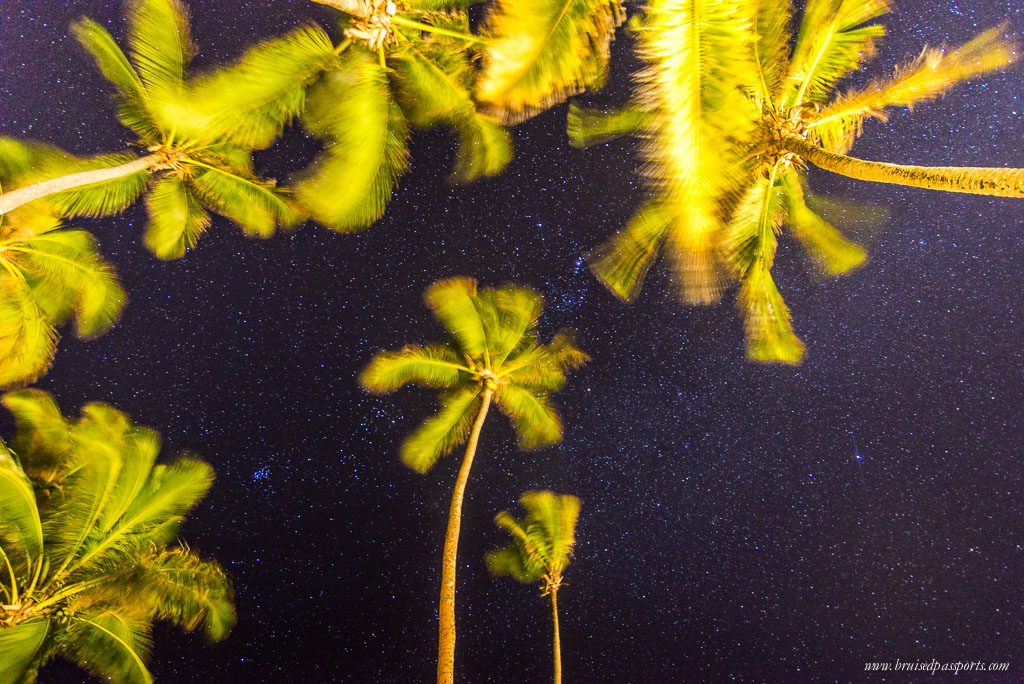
(587, 127)
(832, 42)
(534, 418)
(825, 245)
(160, 43)
(431, 366)
(771, 24)
(539, 53)
(349, 185)
(542, 542)
(622, 262)
(447, 429)
(698, 59)
(176, 218)
(931, 75)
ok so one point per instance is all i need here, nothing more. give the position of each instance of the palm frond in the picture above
(111, 644)
(19, 646)
(251, 203)
(190, 592)
(825, 245)
(21, 532)
(543, 367)
(137, 449)
(439, 5)
(68, 276)
(43, 436)
(587, 127)
(485, 148)
(621, 263)
(832, 42)
(176, 219)
(541, 52)
(454, 303)
(698, 58)
(444, 431)
(28, 340)
(516, 310)
(535, 421)
(249, 102)
(509, 561)
(160, 43)
(105, 198)
(935, 72)
(551, 520)
(109, 58)
(771, 23)
(349, 185)
(434, 366)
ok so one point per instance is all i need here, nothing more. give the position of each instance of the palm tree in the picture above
(186, 173)
(492, 354)
(731, 115)
(541, 546)
(87, 521)
(47, 275)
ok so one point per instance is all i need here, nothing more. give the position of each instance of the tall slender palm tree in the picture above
(47, 275)
(188, 171)
(491, 354)
(731, 115)
(87, 560)
(542, 544)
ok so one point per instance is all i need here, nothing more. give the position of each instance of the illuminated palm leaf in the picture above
(587, 127)
(541, 52)
(825, 245)
(102, 574)
(622, 262)
(349, 185)
(161, 48)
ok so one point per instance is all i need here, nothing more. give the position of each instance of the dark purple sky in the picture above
(728, 529)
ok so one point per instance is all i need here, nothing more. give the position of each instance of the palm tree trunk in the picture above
(1000, 182)
(558, 643)
(357, 8)
(15, 198)
(446, 611)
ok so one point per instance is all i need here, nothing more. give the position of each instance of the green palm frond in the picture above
(825, 245)
(444, 431)
(485, 148)
(250, 101)
(535, 421)
(621, 263)
(541, 52)
(242, 197)
(539, 367)
(934, 73)
(515, 309)
(19, 647)
(832, 42)
(111, 644)
(454, 304)
(42, 438)
(109, 58)
(698, 59)
(509, 561)
(161, 46)
(190, 592)
(176, 219)
(587, 127)
(439, 5)
(771, 23)
(28, 339)
(433, 366)
(21, 533)
(349, 185)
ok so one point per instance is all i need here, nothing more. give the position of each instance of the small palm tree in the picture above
(732, 110)
(185, 175)
(492, 354)
(87, 522)
(542, 544)
(47, 275)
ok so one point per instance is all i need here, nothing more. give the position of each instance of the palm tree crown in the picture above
(87, 521)
(731, 114)
(492, 348)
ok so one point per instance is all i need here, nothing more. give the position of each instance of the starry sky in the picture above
(738, 521)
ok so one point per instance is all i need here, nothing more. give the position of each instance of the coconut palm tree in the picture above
(87, 559)
(491, 354)
(47, 275)
(541, 546)
(186, 174)
(731, 115)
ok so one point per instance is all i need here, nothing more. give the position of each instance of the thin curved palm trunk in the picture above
(357, 8)
(446, 611)
(999, 182)
(15, 198)
(558, 643)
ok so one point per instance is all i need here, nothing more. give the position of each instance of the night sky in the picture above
(728, 530)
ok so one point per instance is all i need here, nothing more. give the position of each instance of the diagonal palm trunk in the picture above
(558, 644)
(15, 198)
(1000, 182)
(446, 611)
(357, 8)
